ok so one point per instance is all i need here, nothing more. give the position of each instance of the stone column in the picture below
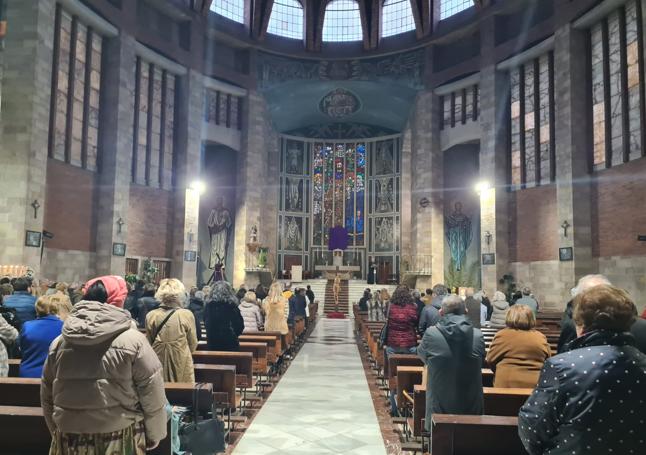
(187, 200)
(573, 185)
(252, 190)
(427, 181)
(494, 162)
(116, 139)
(26, 91)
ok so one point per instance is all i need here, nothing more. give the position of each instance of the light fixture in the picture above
(482, 186)
(198, 186)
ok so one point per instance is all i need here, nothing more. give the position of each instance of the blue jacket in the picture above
(24, 303)
(35, 338)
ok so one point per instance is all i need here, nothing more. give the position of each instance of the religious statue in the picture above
(336, 289)
(384, 161)
(384, 197)
(384, 235)
(219, 225)
(294, 161)
(293, 237)
(458, 235)
(253, 236)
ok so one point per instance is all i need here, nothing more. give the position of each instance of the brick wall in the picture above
(69, 207)
(619, 210)
(533, 225)
(149, 222)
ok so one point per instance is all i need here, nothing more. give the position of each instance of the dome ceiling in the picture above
(376, 92)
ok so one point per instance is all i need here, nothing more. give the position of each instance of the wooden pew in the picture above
(20, 392)
(223, 381)
(396, 360)
(504, 401)
(23, 431)
(243, 361)
(14, 368)
(259, 352)
(468, 435)
(272, 342)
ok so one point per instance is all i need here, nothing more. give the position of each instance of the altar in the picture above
(329, 271)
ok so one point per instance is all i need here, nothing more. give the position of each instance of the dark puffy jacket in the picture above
(589, 400)
(568, 329)
(297, 306)
(24, 303)
(196, 306)
(224, 324)
(402, 326)
(144, 306)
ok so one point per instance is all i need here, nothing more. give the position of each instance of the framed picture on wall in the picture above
(566, 254)
(190, 256)
(488, 258)
(33, 238)
(118, 249)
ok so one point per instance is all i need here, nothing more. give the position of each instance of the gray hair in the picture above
(223, 292)
(199, 295)
(453, 304)
(440, 290)
(590, 281)
(417, 294)
(526, 291)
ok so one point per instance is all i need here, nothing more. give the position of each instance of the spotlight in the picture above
(198, 186)
(482, 186)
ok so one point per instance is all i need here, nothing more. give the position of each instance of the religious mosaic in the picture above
(406, 69)
(294, 158)
(457, 228)
(384, 195)
(384, 234)
(292, 230)
(339, 103)
(384, 158)
(293, 194)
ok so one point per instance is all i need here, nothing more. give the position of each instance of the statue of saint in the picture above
(293, 195)
(384, 195)
(458, 235)
(293, 235)
(219, 225)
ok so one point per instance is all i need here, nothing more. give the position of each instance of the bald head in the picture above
(590, 281)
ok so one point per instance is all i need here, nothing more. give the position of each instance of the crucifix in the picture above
(120, 223)
(36, 206)
(565, 225)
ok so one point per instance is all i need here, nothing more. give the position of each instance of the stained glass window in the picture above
(450, 7)
(397, 17)
(286, 19)
(231, 9)
(342, 21)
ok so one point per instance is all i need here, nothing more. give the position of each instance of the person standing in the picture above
(22, 301)
(473, 308)
(171, 332)
(309, 293)
(500, 308)
(589, 400)
(528, 300)
(222, 319)
(102, 390)
(518, 352)
(8, 335)
(36, 336)
(453, 351)
(251, 314)
(275, 306)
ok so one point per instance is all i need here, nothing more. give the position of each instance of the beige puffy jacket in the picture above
(101, 375)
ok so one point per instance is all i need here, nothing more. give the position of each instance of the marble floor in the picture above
(322, 405)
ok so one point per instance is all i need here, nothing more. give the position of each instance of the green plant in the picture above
(131, 278)
(508, 284)
(149, 271)
(466, 277)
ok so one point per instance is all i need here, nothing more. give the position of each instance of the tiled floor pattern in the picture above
(322, 405)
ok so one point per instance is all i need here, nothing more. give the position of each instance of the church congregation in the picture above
(351, 227)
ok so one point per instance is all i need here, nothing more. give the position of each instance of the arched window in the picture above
(396, 18)
(231, 9)
(342, 21)
(450, 7)
(286, 19)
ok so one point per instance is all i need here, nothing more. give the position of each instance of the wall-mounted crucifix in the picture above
(36, 206)
(565, 225)
(120, 224)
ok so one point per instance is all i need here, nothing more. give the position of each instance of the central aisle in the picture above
(322, 405)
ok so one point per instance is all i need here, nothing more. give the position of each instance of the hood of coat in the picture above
(458, 331)
(247, 305)
(94, 323)
(500, 304)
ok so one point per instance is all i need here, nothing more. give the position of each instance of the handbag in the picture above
(383, 335)
(201, 438)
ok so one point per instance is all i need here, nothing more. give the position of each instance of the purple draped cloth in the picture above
(338, 238)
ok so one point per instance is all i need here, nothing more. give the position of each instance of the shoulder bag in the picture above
(158, 329)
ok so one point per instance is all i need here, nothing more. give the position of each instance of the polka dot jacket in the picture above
(590, 400)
